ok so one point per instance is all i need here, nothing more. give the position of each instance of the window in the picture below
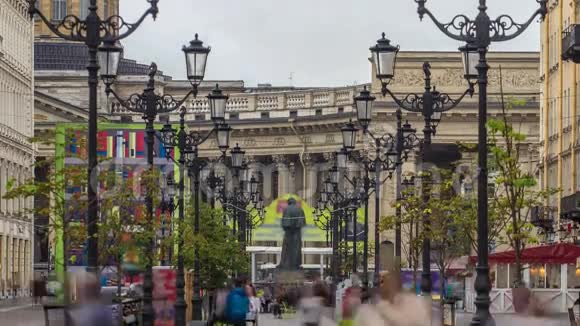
(573, 277)
(318, 112)
(293, 114)
(545, 276)
(234, 116)
(105, 8)
(568, 113)
(199, 117)
(341, 110)
(265, 115)
(59, 10)
(84, 9)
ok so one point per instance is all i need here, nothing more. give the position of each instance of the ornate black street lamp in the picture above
(389, 151)
(431, 104)
(479, 34)
(150, 105)
(187, 144)
(92, 31)
(189, 149)
(167, 207)
(236, 203)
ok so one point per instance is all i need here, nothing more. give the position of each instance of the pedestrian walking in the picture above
(394, 308)
(91, 312)
(254, 307)
(237, 303)
(315, 305)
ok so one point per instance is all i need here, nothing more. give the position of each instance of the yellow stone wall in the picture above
(559, 91)
(73, 8)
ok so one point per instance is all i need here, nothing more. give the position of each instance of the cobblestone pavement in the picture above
(28, 315)
(269, 320)
(22, 315)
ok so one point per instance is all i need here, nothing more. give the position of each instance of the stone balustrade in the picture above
(288, 100)
(251, 105)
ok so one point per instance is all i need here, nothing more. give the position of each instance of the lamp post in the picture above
(245, 193)
(166, 207)
(150, 105)
(189, 148)
(390, 150)
(479, 34)
(431, 104)
(92, 31)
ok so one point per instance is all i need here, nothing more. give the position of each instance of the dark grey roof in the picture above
(74, 57)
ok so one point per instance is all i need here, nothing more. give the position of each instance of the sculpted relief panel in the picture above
(512, 78)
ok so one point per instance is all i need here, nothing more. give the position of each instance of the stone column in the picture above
(3, 264)
(283, 174)
(3, 180)
(292, 177)
(9, 264)
(311, 186)
(253, 267)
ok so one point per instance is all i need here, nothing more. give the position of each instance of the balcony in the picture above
(571, 43)
(570, 208)
(543, 218)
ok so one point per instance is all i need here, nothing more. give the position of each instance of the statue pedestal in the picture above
(284, 277)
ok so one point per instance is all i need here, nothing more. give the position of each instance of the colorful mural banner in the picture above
(114, 140)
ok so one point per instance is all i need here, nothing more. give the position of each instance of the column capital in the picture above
(328, 156)
(308, 159)
(280, 159)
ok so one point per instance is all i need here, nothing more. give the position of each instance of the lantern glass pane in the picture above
(347, 139)
(254, 185)
(195, 64)
(328, 186)
(223, 137)
(334, 176)
(237, 159)
(364, 110)
(323, 197)
(470, 59)
(385, 63)
(109, 63)
(217, 108)
(436, 116)
(341, 160)
(244, 175)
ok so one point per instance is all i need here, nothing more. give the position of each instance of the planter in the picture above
(521, 299)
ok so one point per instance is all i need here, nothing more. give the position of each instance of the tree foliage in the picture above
(220, 254)
(517, 192)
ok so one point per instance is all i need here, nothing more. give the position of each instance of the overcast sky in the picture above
(317, 42)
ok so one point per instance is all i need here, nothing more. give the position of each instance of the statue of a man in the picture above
(293, 221)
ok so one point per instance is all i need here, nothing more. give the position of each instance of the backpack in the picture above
(237, 305)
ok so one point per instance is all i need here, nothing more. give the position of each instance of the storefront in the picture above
(552, 273)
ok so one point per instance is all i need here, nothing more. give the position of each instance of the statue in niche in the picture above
(293, 221)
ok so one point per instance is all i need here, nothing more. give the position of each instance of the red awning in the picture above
(561, 253)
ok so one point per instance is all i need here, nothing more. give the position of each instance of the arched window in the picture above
(59, 10)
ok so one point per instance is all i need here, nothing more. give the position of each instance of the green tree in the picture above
(220, 254)
(445, 211)
(412, 210)
(517, 192)
(345, 249)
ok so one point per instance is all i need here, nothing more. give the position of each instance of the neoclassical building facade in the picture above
(292, 132)
(16, 149)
